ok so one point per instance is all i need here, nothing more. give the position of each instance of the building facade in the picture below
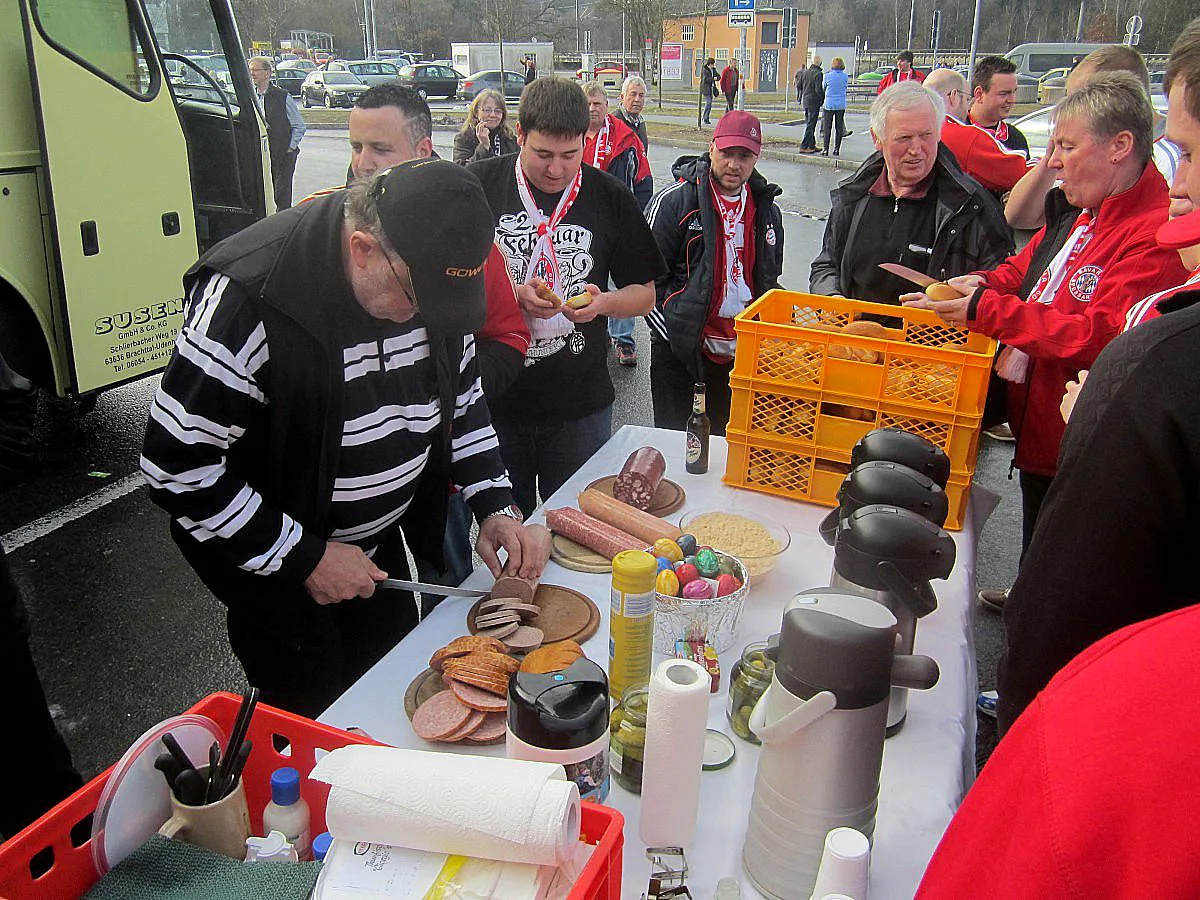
(768, 66)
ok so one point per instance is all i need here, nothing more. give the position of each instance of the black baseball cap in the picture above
(436, 217)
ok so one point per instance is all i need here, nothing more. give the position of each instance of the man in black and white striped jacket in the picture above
(323, 390)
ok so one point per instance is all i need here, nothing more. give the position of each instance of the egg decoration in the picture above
(708, 563)
(687, 573)
(687, 543)
(666, 583)
(698, 590)
(664, 563)
(668, 548)
(727, 584)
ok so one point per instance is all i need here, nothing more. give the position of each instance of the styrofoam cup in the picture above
(845, 864)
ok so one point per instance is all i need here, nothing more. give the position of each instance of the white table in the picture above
(927, 767)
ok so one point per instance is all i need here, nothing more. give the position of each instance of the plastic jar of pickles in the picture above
(627, 737)
(750, 677)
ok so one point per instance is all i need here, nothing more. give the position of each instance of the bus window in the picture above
(101, 36)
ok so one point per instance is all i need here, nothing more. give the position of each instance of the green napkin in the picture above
(163, 869)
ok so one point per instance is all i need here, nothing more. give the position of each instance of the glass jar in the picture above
(627, 737)
(750, 676)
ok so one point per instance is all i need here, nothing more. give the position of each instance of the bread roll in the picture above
(942, 291)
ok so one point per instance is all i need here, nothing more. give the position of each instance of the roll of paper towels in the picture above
(507, 809)
(674, 755)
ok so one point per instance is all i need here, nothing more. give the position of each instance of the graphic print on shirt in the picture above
(515, 236)
(1083, 283)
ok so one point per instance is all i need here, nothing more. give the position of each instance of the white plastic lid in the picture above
(136, 800)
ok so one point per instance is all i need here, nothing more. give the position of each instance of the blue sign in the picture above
(741, 5)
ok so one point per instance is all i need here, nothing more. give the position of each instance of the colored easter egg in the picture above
(668, 548)
(726, 585)
(698, 590)
(664, 563)
(666, 583)
(687, 543)
(708, 563)
(687, 572)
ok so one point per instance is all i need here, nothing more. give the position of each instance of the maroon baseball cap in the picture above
(738, 129)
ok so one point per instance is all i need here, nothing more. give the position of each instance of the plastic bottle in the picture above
(631, 620)
(320, 845)
(287, 812)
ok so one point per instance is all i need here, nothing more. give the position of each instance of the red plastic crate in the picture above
(72, 872)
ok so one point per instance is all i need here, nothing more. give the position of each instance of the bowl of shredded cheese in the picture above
(757, 541)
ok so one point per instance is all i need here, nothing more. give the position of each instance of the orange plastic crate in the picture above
(790, 338)
(803, 472)
(58, 845)
(827, 421)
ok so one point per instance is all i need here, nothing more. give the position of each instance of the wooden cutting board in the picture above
(668, 498)
(571, 555)
(565, 614)
(425, 686)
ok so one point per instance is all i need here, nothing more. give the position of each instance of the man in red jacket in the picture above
(1059, 301)
(612, 146)
(978, 152)
(730, 77)
(904, 71)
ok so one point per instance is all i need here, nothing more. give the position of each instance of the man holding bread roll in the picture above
(565, 229)
(908, 203)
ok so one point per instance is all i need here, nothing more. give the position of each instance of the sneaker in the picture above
(993, 599)
(836, 152)
(1000, 432)
(986, 702)
(626, 355)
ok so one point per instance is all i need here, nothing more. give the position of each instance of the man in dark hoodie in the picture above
(721, 233)
(812, 95)
(323, 390)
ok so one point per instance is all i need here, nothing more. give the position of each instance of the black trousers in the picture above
(812, 115)
(1033, 494)
(282, 169)
(731, 101)
(32, 753)
(829, 119)
(671, 386)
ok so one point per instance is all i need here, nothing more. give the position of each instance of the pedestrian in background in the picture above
(812, 95)
(904, 71)
(486, 131)
(730, 78)
(530, 64)
(285, 129)
(633, 101)
(834, 86)
(709, 79)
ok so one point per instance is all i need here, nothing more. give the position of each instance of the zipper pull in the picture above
(1012, 464)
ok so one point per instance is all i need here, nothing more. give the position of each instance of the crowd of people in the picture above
(346, 385)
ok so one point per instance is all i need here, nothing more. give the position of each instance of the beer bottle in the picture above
(697, 434)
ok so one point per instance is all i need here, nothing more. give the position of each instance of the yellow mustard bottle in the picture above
(631, 620)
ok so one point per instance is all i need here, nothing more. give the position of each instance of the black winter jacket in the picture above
(812, 87)
(971, 232)
(467, 148)
(685, 226)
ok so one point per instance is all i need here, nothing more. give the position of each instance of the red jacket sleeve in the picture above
(993, 165)
(1046, 331)
(505, 324)
(885, 82)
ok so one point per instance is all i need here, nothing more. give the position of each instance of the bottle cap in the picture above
(633, 572)
(285, 786)
(320, 845)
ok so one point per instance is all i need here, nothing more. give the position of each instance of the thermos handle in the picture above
(829, 525)
(915, 672)
(783, 728)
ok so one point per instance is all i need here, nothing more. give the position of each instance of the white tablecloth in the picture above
(927, 767)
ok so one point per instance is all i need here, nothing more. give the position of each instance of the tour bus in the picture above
(131, 142)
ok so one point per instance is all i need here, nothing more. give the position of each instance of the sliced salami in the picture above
(492, 728)
(440, 715)
(640, 477)
(477, 698)
(473, 722)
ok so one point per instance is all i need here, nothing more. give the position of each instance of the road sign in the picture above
(789, 28)
(741, 19)
(672, 61)
(743, 5)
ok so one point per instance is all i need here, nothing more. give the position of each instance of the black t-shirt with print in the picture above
(603, 235)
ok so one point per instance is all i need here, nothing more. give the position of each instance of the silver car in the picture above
(369, 71)
(331, 89)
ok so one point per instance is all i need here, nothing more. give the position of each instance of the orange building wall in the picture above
(722, 37)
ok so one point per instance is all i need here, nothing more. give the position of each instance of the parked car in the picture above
(876, 76)
(369, 71)
(304, 65)
(320, 57)
(429, 80)
(331, 89)
(1156, 82)
(291, 80)
(514, 83)
(1037, 125)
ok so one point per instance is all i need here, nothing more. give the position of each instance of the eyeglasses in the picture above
(406, 284)
(491, 110)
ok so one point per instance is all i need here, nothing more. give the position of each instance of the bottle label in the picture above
(591, 775)
(693, 448)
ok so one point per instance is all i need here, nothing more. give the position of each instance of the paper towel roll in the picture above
(507, 809)
(675, 721)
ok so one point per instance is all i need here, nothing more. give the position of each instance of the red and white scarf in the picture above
(543, 263)
(1013, 364)
(601, 146)
(731, 213)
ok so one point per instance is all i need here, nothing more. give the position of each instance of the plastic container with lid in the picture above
(287, 812)
(562, 717)
(751, 676)
(627, 737)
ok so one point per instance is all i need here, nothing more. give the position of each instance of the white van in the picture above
(1038, 59)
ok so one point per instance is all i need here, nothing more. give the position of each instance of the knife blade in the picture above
(439, 589)
(917, 278)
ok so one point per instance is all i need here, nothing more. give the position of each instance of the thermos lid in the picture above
(918, 548)
(883, 481)
(904, 447)
(842, 643)
(559, 710)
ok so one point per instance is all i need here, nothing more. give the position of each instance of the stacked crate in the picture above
(804, 392)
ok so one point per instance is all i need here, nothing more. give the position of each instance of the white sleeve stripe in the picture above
(652, 209)
(482, 445)
(216, 361)
(255, 353)
(230, 520)
(471, 490)
(190, 428)
(184, 482)
(270, 562)
(468, 351)
(467, 398)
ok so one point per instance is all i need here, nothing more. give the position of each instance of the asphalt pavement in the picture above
(123, 632)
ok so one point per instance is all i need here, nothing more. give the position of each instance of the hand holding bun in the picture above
(942, 291)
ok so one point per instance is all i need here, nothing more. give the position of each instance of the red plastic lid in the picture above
(136, 801)
(1178, 233)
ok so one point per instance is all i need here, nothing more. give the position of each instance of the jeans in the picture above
(811, 115)
(673, 390)
(833, 117)
(456, 548)
(731, 100)
(621, 331)
(708, 108)
(541, 456)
